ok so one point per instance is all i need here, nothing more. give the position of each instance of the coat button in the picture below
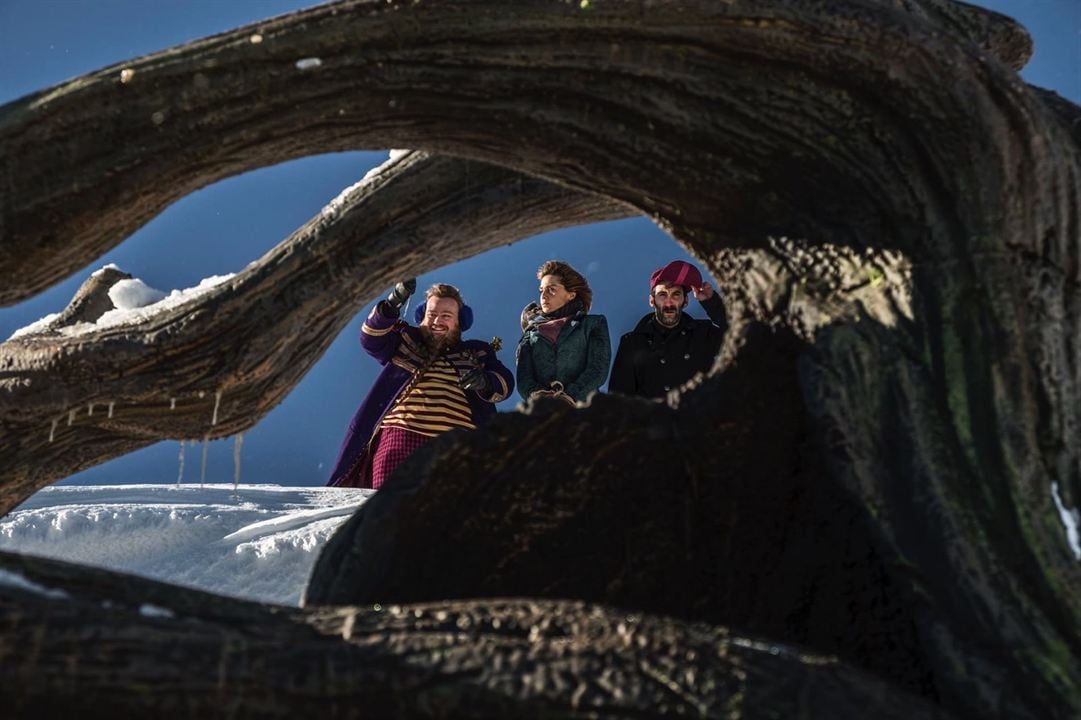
(667, 388)
(686, 356)
(662, 361)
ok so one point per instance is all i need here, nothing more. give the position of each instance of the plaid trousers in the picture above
(393, 446)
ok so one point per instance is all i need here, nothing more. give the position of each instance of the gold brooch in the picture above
(496, 343)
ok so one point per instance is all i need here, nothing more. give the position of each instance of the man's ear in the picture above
(651, 303)
(686, 300)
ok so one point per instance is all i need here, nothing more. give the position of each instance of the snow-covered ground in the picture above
(259, 543)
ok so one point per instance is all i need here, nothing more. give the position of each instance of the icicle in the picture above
(202, 469)
(172, 403)
(52, 432)
(90, 410)
(111, 408)
(180, 473)
(71, 417)
(217, 402)
(237, 442)
(1070, 521)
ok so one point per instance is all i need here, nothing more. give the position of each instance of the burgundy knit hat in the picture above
(676, 272)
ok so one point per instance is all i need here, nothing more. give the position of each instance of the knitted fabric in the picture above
(434, 404)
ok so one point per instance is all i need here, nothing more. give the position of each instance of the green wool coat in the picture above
(578, 359)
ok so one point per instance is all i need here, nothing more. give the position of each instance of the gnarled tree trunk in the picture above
(109, 646)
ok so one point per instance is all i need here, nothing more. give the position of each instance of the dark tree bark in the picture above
(681, 82)
(869, 178)
(85, 642)
(710, 512)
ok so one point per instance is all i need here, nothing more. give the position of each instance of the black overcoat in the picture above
(651, 359)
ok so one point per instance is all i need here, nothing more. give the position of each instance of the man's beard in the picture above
(665, 321)
(436, 343)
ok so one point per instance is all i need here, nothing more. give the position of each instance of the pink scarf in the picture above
(550, 330)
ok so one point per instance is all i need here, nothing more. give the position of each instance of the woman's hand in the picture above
(554, 394)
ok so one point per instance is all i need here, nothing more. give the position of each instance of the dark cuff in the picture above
(387, 310)
(714, 308)
(712, 301)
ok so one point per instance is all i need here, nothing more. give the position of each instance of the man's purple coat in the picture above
(399, 348)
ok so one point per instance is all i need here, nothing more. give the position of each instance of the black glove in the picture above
(400, 294)
(475, 379)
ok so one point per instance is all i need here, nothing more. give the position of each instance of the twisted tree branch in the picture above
(214, 366)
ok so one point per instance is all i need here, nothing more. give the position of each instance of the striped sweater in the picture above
(435, 405)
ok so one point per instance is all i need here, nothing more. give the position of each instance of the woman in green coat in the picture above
(564, 352)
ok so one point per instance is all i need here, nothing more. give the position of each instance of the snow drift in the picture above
(258, 542)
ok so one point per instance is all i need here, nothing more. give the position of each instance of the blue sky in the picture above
(223, 227)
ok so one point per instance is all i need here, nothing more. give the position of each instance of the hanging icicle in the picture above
(52, 431)
(180, 472)
(202, 468)
(172, 403)
(237, 442)
(90, 410)
(217, 402)
(71, 417)
(111, 408)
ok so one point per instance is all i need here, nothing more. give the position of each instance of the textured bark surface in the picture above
(868, 179)
(511, 83)
(119, 646)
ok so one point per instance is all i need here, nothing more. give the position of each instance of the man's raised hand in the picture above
(401, 293)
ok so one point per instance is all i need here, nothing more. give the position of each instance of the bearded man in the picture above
(668, 347)
(432, 382)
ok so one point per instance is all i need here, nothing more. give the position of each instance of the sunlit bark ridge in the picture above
(870, 179)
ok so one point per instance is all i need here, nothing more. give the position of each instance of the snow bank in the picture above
(39, 325)
(133, 300)
(138, 313)
(259, 545)
(13, 579)
(334, 207)
(133, 293)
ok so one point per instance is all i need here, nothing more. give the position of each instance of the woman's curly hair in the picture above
(571, 279)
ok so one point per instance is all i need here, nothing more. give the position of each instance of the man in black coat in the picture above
(668, 347)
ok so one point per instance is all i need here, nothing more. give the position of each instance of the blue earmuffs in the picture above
(465, 316)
